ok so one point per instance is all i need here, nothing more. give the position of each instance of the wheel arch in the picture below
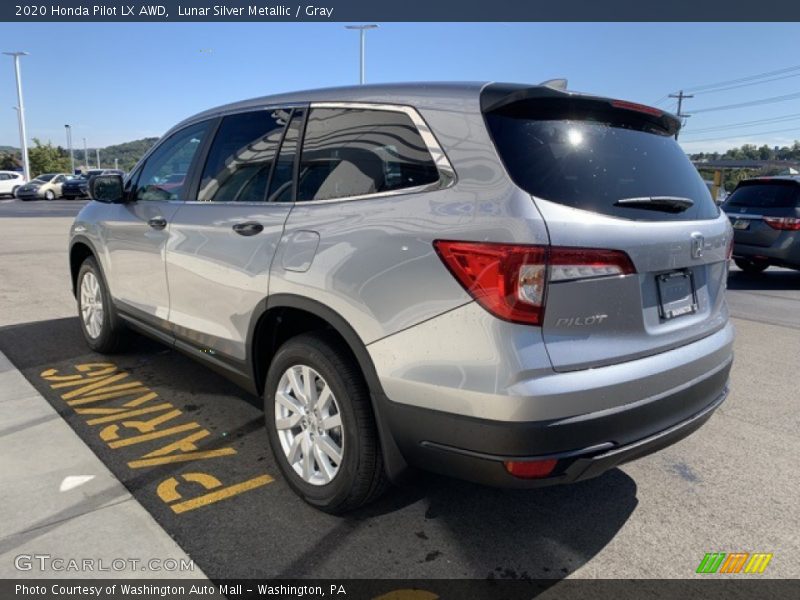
(270, 326)
(80, 248)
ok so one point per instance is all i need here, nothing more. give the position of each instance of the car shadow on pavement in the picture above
(771, 279)
(431, 527)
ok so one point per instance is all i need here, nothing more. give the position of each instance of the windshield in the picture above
(592, 165)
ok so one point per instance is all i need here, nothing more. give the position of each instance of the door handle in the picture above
(249, 228)
(157, 222)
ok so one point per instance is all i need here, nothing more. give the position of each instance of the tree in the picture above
(45, 158)
(10, 161)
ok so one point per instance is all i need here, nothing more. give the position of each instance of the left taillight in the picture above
(510, 280)
(783, 223)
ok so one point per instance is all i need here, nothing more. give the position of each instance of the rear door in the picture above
(756, 199)
(222, 241)
(612, 177)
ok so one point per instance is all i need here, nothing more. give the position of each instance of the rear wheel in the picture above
(751, 266)
(320, 424)
(102, 328)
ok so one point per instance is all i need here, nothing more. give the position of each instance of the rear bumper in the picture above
(585, 446)
(784, 252)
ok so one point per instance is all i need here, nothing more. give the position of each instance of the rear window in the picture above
(777, 193)
(592, 164)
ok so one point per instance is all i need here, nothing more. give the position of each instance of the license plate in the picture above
(676, 294)
(741, 223)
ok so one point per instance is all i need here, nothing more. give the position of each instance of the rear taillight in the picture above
(783, 223)
(510, 280)
(642, 108)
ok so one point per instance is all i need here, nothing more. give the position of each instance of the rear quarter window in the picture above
(591, 165)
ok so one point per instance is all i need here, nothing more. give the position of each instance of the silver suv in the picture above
(509, 284)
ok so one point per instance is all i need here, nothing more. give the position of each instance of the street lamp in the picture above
(26, 169)
(85, 155)
(69, 145)
(361, 30)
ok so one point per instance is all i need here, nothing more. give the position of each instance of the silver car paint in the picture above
(374, 265)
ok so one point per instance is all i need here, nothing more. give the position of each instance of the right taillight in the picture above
(510, 280)
(783, 223)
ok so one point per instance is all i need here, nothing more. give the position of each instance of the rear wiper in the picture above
(663, 203)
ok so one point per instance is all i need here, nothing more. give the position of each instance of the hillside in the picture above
(128, 153)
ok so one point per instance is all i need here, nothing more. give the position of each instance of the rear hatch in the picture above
(608, 175)
(755, 200)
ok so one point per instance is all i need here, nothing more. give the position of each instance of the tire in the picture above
(49, 195)
(105, 333)
(358, 477)
(751, 266)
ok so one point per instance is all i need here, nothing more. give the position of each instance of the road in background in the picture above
(732, 486)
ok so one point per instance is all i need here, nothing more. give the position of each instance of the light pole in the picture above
(19, 123)
(23, 144)
(97, 154)
(69, 145)
(361, 31)
(85, 155)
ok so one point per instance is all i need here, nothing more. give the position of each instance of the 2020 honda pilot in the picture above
(511, 284)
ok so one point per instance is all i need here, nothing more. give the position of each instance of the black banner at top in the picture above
(398, 10)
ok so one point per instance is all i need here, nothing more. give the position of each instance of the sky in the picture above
(116, 82)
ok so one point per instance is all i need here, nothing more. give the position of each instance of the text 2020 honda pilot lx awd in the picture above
(510, 284)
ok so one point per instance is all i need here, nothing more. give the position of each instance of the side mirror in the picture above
(107, 188)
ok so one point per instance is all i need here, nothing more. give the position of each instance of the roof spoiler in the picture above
(552, 98)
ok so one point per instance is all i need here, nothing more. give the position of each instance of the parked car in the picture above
(765, 213)
(505, 283)
(47, 186)
(78, 186)
(9, 182)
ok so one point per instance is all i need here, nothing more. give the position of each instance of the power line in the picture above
(791, 117)
(751, 103)
(733, 137)
(741, 85)
(743, 79)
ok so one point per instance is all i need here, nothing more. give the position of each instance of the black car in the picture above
(765, 214)
(79, 186)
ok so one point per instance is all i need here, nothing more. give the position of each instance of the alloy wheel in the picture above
(91, 305)
(309, 425)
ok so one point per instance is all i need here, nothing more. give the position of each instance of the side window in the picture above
(4, 177)
(352, 152)
(280, 187)
(241, 156)
(59, 179)
(164, 174)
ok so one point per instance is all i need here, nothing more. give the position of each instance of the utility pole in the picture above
(97, 154)
(69, 145)
(116, 163)
(85, 155)
(680, 96)
(362, 30)
(26, 167)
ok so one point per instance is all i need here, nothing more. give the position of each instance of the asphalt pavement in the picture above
(730, 487)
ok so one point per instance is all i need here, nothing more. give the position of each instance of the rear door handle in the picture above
(249, 228)
(157, 222)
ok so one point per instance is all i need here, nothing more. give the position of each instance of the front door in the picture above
(137, 231)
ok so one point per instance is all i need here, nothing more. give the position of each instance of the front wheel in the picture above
(321, 426)
(102, 328)
(49, 195)
(751, 266)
